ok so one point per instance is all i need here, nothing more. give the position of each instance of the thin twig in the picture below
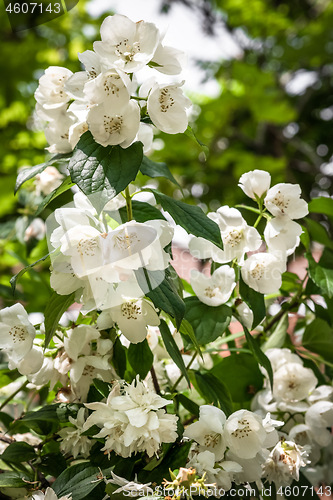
(155, 381)
(6, 401)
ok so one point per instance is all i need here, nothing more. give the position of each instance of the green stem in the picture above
(258, 220)
(128, 204)
(182, 375)
(6, 401)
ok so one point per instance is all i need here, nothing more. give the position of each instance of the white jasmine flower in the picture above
(318, 417)
(321, 393)
(16, 332)
(110, 128)
(284, 200)
(167, 108)
(72, 442)
(246, 433)
(35, 230)
(48, 180)
(302, 435)
(251, 468)
(109, 88)
(57, 133)
(45, 374)
(49, 495)
(282, 236)
(279, 357)
(246, 315)
(216, 289)
(284, 463)
(92, 63)
(255, 183)
(85, 356)
(127, 45)
(169, 61)
(133, 317)
(209, 431)
(132, 420)
(237, 236)
(31, 363)
(84, 245)
(50, 92)
(221, 473)
(293, 382)
(75, 84)
(262, 272)
(146, 136)
(132, 488)
(133, 245)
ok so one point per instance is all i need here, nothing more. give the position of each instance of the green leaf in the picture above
(28, 173)
(142, 212)
(254, 300)
(259, 354)
(208, 322)
(140, 358)
(290, 283)
(119, 358)
(18, 452)
(14, 480)
(191, 218)
(172, 349)
(189, 132)
(213, 390)
(241, 375)
(53, 463)
(321, 273)
(102, 387)
(57, 305)
(103, 170)
(5, 419)
(174, 459)
(160, 287)
(318, 338)
(154, 169)
(58, 412)
(78, 480)
(188, 404)
(278, 337)
(319, 233)
(321, 205)
(186, 329)
(65, 186)
(8, 376)
(17, 276)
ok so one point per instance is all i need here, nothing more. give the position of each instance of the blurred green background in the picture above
(259, 120)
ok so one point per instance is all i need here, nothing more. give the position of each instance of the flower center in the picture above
(88, 371)
(280, 201)
(125, 240)
(233, 238)
(211, 292)
(243, 431)
(18, 333)
(126, 51)
(112, 124)
(110, 84)
(258, 271)
(130, 310)
(165, 100)
(211, 440)
(87, 247)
